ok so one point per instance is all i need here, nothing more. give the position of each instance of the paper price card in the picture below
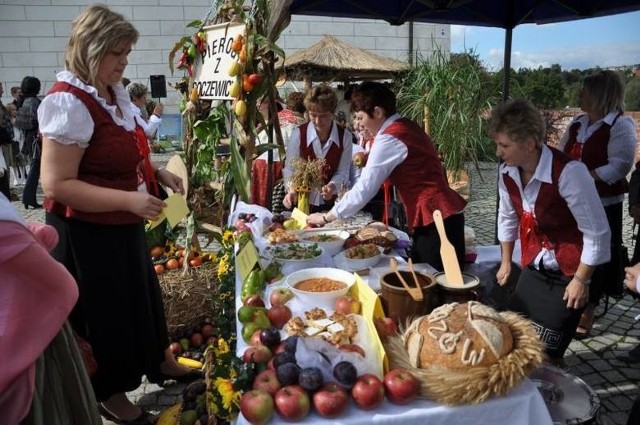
(299, 217)
(246, 260)
(371, 310)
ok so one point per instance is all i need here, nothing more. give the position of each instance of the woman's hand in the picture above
(328, 191)
(576, 294)
(145, 205)
(631, 277)
(290, 199)
(316, 220)
(503, 273)
(158, 110)
(170, 180)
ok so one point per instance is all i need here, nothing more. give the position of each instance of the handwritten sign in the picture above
(246, 260)
(211, 75)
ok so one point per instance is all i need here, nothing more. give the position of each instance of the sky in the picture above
(581, 44)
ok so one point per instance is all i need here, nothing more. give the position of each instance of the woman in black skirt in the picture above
(551, 203)
(95, 198)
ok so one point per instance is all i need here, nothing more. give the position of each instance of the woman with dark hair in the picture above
(27, 121)
(403, 153)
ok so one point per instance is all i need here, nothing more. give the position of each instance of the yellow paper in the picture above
(299, 217)
(176, 209)
(154, 223)
(371, 310)
(246, 260)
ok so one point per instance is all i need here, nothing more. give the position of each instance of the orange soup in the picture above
(320, 284)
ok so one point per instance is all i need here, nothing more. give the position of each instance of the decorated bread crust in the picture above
(458, 336)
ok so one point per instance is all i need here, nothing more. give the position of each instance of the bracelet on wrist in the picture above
(585, 282)
(324, 218)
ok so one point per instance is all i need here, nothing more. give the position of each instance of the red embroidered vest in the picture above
(593, 153)
(554, 226)
(110, 160)
(332, 159)
(420, 178)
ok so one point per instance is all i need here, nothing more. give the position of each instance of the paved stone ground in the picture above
(593, 359)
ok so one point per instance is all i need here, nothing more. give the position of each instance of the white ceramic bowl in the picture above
(331, 247)
(355, 264)
(325, 300)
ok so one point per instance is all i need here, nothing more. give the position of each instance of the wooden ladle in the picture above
(415, 293)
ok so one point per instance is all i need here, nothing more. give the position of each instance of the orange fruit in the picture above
(159, 268)
(172, 264)
(156, 251)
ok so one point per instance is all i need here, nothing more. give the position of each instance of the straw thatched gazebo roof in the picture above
(334, 60)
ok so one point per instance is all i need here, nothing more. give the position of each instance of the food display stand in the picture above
(523, 405)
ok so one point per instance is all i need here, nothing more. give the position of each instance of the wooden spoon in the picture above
(415, 293)
(448, 254)
(415, 277)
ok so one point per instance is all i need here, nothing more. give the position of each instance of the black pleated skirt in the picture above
(120, 311)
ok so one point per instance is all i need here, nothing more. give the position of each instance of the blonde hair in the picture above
(519, 120)
(94, 33)
(606, 91)
(321, 97)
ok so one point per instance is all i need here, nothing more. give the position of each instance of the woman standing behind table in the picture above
(321, 137)
(562, 225)
(89, 175)
(604, 139)
(403, 153)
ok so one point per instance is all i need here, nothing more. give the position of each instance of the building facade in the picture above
(34, 33)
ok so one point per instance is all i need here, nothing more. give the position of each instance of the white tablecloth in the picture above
(522, 406)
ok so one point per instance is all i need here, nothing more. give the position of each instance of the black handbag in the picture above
(615, 269)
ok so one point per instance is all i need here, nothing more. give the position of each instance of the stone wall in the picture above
(34, 33)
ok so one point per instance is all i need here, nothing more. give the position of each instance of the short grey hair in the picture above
(137, 90)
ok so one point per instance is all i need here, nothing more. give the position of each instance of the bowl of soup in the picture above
(319, 286)
(331, 241)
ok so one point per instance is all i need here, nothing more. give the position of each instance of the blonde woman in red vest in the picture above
(403, 153)
(90, 160)
(551, 204)
(604, 139)
(321, 137)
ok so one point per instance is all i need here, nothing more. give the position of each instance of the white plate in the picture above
(355, 265)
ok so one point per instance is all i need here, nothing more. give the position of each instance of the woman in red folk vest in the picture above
(90, 163)
(551, 203)
(403, 153)
(321, 137)
(604, 139)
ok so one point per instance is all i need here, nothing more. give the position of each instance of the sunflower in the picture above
(228, 237)
(223, 266)
(230, 398)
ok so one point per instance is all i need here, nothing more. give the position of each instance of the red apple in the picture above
(346, 304)
(257, 406)
(400, 386)
(279, 316)
(292, 402)
(176, 348)
(368, 392)
(385, 327)
(359, 159)
(254, 300)
(257, 354)
(352, 348)
(267, 381)
(207, 331)
(330, 401)
(196, 340)
(280, 296)
(255, 338)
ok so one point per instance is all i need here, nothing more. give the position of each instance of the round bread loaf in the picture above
(458, 336)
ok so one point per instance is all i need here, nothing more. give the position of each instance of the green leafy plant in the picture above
(450, 99)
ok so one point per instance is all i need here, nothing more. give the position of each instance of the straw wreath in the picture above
(476, 384)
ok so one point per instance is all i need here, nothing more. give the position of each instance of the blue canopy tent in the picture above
(505, 14)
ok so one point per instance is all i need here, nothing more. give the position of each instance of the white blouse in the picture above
(65, 119)
(576, 187)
